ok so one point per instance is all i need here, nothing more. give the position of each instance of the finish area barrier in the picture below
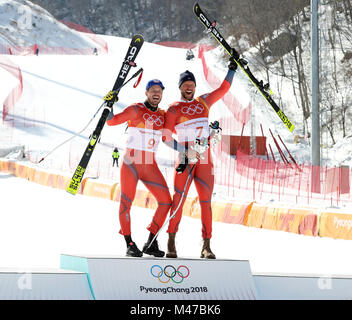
(307, 221)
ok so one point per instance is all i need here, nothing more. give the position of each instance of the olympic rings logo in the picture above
(168, 273)
(192, 109)
(153, 119)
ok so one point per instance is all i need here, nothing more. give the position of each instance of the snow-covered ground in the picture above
(38, 223)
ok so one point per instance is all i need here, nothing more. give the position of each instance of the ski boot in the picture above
(133, 251)
(206, 251)
(171, 249)
(153, 250)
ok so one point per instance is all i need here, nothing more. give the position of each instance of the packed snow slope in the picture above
(38, 223)
(62, 93)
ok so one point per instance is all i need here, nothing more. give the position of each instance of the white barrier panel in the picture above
(302, 287)
(164, 279)
(44, 285)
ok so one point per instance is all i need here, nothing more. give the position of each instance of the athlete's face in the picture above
(188, 89)
(154, 95)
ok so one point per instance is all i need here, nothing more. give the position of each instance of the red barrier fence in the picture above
(16, 92)
(261, 178)
(177, 44)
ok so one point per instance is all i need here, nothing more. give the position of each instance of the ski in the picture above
(132, 52)
(264, 89)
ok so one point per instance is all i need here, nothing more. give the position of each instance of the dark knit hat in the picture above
(186, 76)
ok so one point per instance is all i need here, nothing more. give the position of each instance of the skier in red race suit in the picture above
(145, 122)
(188, 119)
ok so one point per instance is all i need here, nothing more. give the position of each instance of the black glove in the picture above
(232, 64)
(183, 164)
(234, 54)
(215, 125)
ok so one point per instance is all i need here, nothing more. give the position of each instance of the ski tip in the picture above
(196, 7)
(71, 191)
(72, 187)
(138, 38)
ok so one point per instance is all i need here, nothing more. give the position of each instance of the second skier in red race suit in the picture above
(188, 119)
(145, 123)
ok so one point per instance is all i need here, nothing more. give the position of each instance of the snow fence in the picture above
(308, 221)
(16, 92)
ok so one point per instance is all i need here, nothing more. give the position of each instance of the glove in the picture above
(111, 97)
(193, 155)
(234, 54)
(183, 164)
(198, 149)
(189, 156)
(215, 133)
(232, 64)
(215, 125)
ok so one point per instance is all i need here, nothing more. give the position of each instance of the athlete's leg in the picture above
(181, 191)
(128, 180)
(156, 184)
(204, 183)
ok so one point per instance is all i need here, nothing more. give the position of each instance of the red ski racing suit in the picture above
(145, 132)
(189, 120)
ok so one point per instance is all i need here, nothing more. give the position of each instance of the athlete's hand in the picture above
(111, 97)
(234, 54)
(232, 64)
(192, 155)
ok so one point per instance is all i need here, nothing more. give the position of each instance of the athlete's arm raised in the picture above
(127, 114)
(218, 93)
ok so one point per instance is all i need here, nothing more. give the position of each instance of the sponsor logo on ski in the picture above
(126, 66)
(285, 120)
(210, 27)
(132, 54)
(216, 34)
(205, 20)
(76, 180)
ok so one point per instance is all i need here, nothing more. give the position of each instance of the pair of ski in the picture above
(264, 89)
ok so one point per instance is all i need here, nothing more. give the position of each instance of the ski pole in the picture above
(90, 121)
(174, 212)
